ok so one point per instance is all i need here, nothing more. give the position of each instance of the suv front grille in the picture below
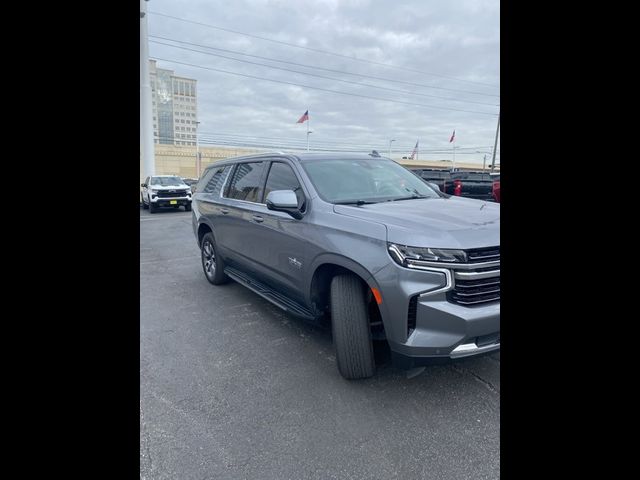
(172, 193)
(479, 255)
(481, 284)
(475, 292)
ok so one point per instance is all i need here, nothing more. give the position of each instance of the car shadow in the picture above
(319, 333)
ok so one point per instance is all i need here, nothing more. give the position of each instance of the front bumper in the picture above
(443, 330)
(167, 201)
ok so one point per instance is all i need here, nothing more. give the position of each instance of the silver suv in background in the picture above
(362, 240)
(165, 191)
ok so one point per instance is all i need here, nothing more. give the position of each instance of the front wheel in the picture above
(187, 207)
(212, 263)
(350, 328)
(144, 205)
(152, 207)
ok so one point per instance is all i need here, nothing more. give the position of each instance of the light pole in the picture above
(146, 111)
(484, 160)
(198, 163)
(495, 145)
(390, 141)
(309, 132)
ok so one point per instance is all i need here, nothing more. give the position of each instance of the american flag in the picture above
(304, 117)
(453, 136)
(415, 150)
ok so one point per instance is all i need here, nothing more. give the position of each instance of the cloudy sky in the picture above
(443, 54)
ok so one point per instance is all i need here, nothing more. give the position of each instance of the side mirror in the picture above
(143, 184)
(284, 201)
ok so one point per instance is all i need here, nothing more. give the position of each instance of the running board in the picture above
(278, 299)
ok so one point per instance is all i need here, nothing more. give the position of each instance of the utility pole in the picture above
(495, 145)
(484, 162)
(146, 112)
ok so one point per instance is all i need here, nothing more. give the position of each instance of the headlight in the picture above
(405, 256)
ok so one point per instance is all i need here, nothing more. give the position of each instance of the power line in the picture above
(294, 148)
(326, 89)
(320, 68)
(362, 147)
(322, 76)
(400, 146)
(319, 50)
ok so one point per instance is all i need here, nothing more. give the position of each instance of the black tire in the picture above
(187, 207)
(152, 208)
(144, 205)
(350, 328)
(214, 272)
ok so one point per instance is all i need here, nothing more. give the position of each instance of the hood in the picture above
(452, 222)
(169, 187)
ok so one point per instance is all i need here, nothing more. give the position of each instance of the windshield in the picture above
(365, 181)
(166, 181)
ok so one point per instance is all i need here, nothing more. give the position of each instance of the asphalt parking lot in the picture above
(231, 387)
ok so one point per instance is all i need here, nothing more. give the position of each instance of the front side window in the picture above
(281, 177)
(246, 182)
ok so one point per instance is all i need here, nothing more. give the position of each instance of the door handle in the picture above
(257, 218)
(224, 211)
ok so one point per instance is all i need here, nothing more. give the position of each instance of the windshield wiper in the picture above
(354, 202)
(408, 198)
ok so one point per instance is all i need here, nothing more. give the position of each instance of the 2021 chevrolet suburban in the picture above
(363, 240)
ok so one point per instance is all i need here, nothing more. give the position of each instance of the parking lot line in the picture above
(143, 219)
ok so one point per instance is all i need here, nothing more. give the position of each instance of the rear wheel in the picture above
(212, 263)
(350, 327)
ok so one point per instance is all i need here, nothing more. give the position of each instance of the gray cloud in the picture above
(459, 39)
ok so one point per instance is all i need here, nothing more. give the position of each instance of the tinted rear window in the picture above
(214, 182)
(246, 183)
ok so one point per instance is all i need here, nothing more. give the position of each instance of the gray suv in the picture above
(363, 240)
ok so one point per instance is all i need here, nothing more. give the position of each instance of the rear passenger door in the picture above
(207, 199)
(241, 202)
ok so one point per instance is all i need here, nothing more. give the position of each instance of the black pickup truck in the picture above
(478, 185)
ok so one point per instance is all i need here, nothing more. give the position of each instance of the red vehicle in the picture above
(496, 188)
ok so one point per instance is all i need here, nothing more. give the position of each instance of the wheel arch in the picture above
(327, 266)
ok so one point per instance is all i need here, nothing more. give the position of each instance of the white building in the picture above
(175, 107)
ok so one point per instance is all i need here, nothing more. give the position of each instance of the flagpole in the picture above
(454, 153)
(453, 141)
(308, 122)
